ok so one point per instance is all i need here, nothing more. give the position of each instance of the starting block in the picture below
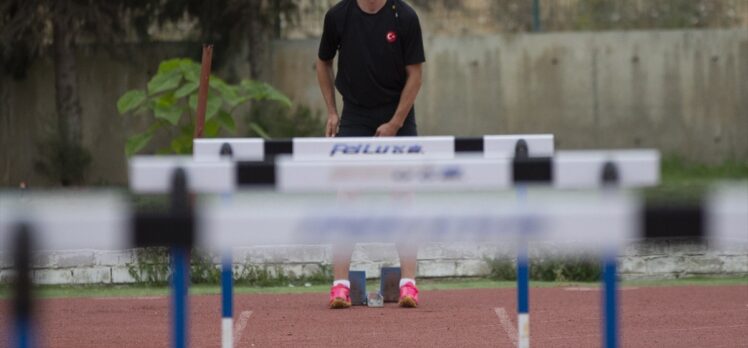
(358, 287)
(389, 286)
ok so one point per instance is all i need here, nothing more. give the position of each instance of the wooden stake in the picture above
(202, 94)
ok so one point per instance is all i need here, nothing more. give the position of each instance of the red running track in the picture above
(707, 316)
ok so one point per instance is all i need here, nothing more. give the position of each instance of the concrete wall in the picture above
(479, 17)
(662, 260)
(684, 92)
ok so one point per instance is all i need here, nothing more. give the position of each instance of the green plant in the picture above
(578, 268)
(151, 266)
(262, 276)
(502, 268)
(171, 97)
(203, 270)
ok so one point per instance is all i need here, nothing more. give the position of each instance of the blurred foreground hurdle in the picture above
(101, 220)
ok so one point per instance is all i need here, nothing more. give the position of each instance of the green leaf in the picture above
(175, 146)
(191, 70)
(187, 130)
(259, 130)
(165, 100)
(130, 100)
(164, 82)
(226, 120)
(170, 65)
(137, 142)
(217, 82)
(143, 108)
(214, 104)
(181, 144)
(280, 97)
(263, 91)
(170, 114)
(186, 89)
(212, 128)
(253, 88)
(229, 93)
(276, 95)
(192, 102)
(166, 108)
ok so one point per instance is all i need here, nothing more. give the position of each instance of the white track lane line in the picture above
(506, 323)
(241, 324)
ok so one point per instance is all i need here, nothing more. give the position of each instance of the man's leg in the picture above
(341, 286)
(408, 262)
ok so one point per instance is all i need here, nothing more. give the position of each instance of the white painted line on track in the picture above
(241, 324)
(506, 323)
(578, 288)
(128, 298)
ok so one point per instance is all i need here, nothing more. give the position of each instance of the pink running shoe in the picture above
(339, 297)
(408, 295)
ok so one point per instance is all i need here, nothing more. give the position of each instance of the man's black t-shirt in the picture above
(374, 50)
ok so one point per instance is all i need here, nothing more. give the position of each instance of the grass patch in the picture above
(78, 291)
(695, 281)
(578, 268)
(683, 180)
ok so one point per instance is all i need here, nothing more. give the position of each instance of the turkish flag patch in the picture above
(391, 36)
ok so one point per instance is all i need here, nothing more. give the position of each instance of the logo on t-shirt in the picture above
(391, 36)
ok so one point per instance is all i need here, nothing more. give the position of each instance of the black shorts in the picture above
(363, 122)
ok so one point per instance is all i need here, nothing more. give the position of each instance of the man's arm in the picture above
(407, 99)
(326, 76)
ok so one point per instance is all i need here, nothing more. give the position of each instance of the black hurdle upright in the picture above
(610, 179)
(176, 230)
(23, 325)
(522, 155)
(227, 281)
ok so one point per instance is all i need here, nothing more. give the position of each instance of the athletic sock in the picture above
(345, 282)
(404, 281)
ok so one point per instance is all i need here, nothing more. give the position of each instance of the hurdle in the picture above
(571, 169)
(534, 150)
(105, 221)
(321, 149)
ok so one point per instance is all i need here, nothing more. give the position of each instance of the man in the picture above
(379, 75)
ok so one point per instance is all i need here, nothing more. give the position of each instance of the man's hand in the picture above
(388, 129)
(332, 125)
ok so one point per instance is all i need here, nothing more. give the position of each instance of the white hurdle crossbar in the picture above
(430, 147)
